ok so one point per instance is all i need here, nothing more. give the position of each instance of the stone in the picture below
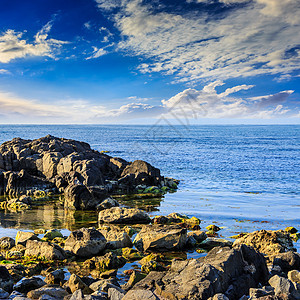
(75, 283)
(122, 215)
(260, 292)
(286, 261)
(281, 285)
(107, 203)
(161, 238)
(115, 294)
(212, 242)
(294, 276)
(28, 284)
(57, 293)
(85, 242)
(7, 243)
(268, 242)
(55, 277)
(219, 297)
(134, 278)
(140, 295)
(22, 237)
(116, 238)
(44, 249)
(6, 280)
(198, 235)
(52, 234)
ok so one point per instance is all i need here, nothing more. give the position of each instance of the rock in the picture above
(52, 234)
(3, 294)
(161, 238)
(109, 261)
(255, 293)
(57, 293)
(213, 228)
(28, 284)
(294, 276)
(22, 237)
(78, 196)
(140, 295)
(115, 294)
(291, 230)
(85, 242)
(219, 297)
(6, 281)
(17, 296)
(212, 242)
(44, 249)
(75, 283)
(7, 243)
(55, 277)
(122, 215)
(267, 241)
(134, 278)
(140, 172)
(224, 270)
(198, 235)
(116, 238)
(281, 285)
(286, 261)
(107, 203)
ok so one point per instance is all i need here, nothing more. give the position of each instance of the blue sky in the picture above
(134, 61)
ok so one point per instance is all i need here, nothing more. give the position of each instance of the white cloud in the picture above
(12, 45)
(4, 71)
(252, 38)
(189, 104)
(98, 52)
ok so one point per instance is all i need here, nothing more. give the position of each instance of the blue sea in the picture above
(241, 177)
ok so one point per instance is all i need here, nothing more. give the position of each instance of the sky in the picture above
(142, 62)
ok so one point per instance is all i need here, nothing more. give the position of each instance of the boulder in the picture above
(75, 283)
(122, 215)
(140, 295)
(78, 196)
(6, 280)
(116, 238)
(198, 235)
(107, 203)
(286, 261)
(28, 284)
(57, 293)
(224, 270)
(85, 242)
(282, 285)
(6, 243)
(115, 294)
(44, 249)
(161, 238)
(55, 277)
(3, 294)
(22, 237)
(268, 242)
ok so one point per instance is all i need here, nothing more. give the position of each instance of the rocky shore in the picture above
(90, 263)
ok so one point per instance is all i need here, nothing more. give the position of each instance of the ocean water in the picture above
(243, 178)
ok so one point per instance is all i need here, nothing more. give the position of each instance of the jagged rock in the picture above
(22, 237)
(28, 284)
(212, 242)
(122, 215)
(44, 249)
(116, 238)
(267, 241)
(283, 286)
(224, 270)
(75, 283)
(198, 235)
(3, 294)
(161, 238)
(85, 242)
(7, 243)
(115, 294)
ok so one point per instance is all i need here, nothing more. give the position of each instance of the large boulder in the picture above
(161, 238)
(224, 270)
(28, 284)
(123, 215)
(85, 242)
(141, 172)
(44, 249)
(78, 196)
(267, 242)
(23, 236)
(116, 238)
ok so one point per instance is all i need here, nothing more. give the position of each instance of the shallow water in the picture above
(242, 177)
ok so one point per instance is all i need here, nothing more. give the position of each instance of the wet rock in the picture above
(44, 249)
(212, 242)
(267, 241)
(75, 283)
(78, 196)
(107, 203)
(22, 237)
(134, 278)
(7, 243)
(28, 284)
(6, 281)
(116, 238)
(55, 277)
(122, 215)
(161, 238)
(55, 292)
(85, 242)
(109, 261)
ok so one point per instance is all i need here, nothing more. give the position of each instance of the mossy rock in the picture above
(152, 257)
(152, 266)
(213, 228)
(295, 236)
(291, 230)
(52, 233)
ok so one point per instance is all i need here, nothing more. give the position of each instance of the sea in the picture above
(239, 177)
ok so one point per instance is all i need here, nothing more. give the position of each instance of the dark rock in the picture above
(286, 261)
(28, 284)
(85, 242)
(7, 243)
(3, 294)
(122, 215)
(161, 238)
(55, 277)
(6, 281)
(116, 238)
(294, 276)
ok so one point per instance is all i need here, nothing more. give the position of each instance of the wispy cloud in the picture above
(97, 53)
(250, 37)
(189, 104)
(12, 45)
(4, 71)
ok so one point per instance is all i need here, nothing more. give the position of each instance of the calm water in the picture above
(242, 177)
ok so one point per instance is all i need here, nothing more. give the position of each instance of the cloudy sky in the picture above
(139, 61)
